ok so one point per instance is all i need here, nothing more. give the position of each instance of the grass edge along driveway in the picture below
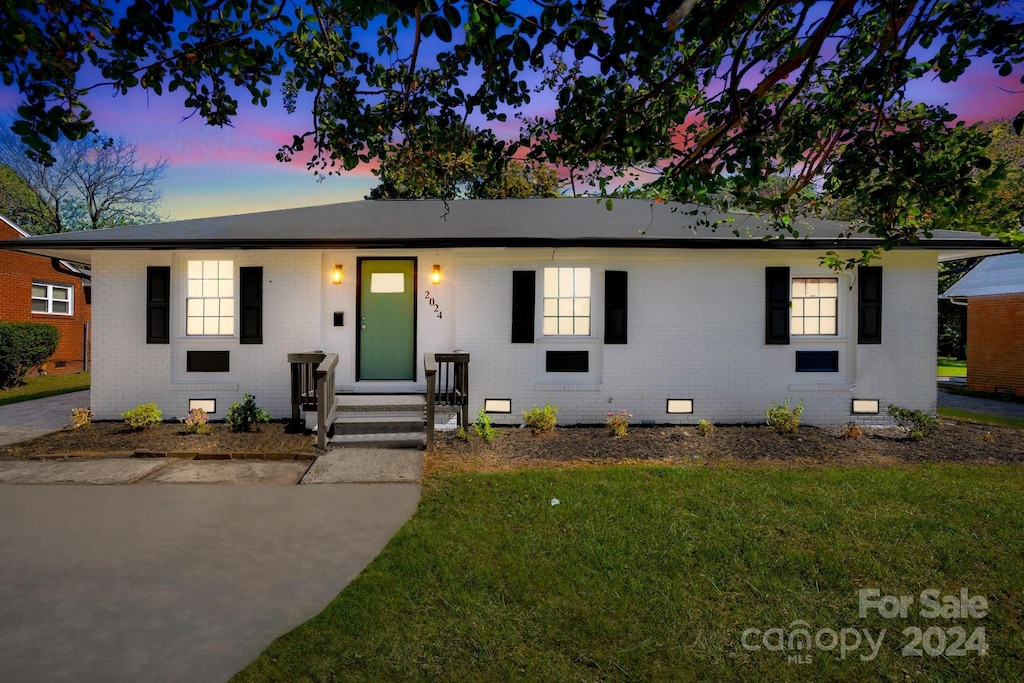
(647, 573)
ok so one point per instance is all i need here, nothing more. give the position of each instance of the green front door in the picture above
(387, 319)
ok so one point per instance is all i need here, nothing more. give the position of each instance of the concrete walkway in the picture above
(29, 419)
(366, 465)
(175, 583)
(151, 470)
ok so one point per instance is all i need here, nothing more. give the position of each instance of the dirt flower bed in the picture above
(168, 437)
(575, 446)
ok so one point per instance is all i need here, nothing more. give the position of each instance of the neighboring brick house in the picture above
(642, 308)
(40, 289)
(994, 295)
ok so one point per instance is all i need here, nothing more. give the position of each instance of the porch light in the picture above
(337, 275)
(435, 274)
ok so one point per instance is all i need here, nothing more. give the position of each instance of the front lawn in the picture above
(652, 573)
(48, 385)
(951, 367)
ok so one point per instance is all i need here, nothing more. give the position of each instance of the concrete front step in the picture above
(392, 440)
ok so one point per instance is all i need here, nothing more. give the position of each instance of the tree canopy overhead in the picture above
(714, 97)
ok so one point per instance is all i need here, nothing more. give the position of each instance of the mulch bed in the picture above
(955, 441)
(574, 446)
(115, 437)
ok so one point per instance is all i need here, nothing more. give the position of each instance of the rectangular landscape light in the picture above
(207, 404)
(679, 406)
(497, 405)
(865, 406)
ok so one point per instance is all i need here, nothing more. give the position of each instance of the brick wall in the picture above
(995, 343)
(128, 371)
(696, 331)
(17, 272)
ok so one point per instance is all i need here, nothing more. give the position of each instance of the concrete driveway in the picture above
(175, 583)
(29, 419)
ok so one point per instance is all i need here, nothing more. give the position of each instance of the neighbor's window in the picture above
(54, 299)
(567, 301)
(815, 302)
(210, 298)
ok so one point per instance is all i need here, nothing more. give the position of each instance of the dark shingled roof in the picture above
(583, 221)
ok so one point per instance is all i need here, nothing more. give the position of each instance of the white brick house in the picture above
(561, 300)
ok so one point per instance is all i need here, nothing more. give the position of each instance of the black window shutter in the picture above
(524, 293)
(250, 294)
(869, 305)
(158, 305)
(615, 288)
(776, 329)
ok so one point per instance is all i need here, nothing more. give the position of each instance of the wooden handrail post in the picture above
(430, 373)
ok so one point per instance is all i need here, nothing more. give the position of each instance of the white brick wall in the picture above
(696, 330)
(127, 371)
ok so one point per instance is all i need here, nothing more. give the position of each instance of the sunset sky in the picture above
(221, 171)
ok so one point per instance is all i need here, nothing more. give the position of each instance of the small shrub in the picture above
(782, 418)
(618, 425)
(483, 427)
(81, 418)
(461, 435)
(142, 416)
(914, 423)
(197, 422)
(541, 419)
(705, 428)
(851, 431)
(244, 416)
(25, 346)
(988, 438)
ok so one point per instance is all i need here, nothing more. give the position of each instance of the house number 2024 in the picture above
(433, 304)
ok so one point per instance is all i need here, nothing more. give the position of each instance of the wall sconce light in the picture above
(337, 275)
(435, 274)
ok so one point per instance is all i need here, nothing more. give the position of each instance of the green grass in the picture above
(655, 573)
(41, 387)
(981, 418)
(951, 367)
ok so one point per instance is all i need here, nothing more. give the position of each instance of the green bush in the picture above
(705, 428)
(24, 346)
(541, 419)
(142, 416)
(782, 418)
(916, 424)
(483, 427)
(244, 416)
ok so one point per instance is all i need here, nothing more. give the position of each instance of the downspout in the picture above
(85, 348)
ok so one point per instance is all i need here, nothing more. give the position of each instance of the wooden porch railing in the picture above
(447, 376)
(313, 386)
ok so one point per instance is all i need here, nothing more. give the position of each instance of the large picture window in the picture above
(567, 301)
(210, 298)
(53, 299)
(815, 305)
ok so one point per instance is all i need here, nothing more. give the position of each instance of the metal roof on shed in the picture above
(995, 275)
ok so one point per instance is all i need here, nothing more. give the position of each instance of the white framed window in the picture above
(210, 298)
(53, 299)
(567, 301)
(815, 306)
